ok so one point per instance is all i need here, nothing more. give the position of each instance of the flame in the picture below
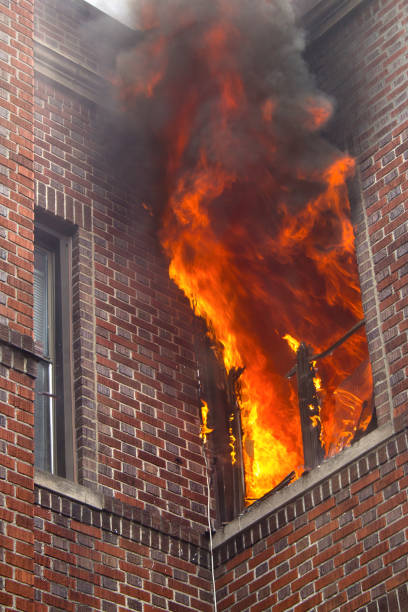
(204, 430)
(232, 441)
(148, 57)
(204, 267)
(317, 381)
(268, 109)
(257, 220)
(293, 343)
(315, 418)
(319, 110)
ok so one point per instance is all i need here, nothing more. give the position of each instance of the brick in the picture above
(165, 461)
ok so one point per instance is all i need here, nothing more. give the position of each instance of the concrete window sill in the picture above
(67, 488)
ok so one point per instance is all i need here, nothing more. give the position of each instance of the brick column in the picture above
(16, 298)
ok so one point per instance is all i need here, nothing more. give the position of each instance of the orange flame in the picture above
(319, 111)
(257, 221)
(317, 381)
(205, 269)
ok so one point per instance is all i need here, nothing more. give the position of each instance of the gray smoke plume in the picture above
(174, 71)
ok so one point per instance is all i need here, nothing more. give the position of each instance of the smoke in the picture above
(195, 59)
(225, 123)
(223, 84)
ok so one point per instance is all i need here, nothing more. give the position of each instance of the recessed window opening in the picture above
(53, 439)
(333, 393)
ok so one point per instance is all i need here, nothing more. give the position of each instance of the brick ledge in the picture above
(68, 488)
(71, 74)
(112, 514)
(259, 513)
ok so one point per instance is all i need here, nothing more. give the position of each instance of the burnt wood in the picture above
(331, 348)
(220, 390)
(313, 452)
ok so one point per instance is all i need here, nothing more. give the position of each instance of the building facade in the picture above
(111, 510)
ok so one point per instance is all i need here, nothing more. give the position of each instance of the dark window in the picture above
(52, 334)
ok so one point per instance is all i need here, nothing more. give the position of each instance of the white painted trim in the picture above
(320, 14)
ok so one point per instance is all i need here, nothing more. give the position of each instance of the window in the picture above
(345, 406)
(53, 441)
(333, 392)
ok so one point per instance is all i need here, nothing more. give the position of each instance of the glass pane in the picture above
(41, 298)
(42, 418)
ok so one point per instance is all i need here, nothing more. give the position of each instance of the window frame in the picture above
(59, 247)
(221, 391)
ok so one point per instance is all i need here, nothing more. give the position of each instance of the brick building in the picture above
(120, 523)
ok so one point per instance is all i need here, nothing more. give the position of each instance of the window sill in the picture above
(261, 509)
(67, 488)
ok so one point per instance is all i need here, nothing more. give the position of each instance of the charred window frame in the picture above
(53, 406)
(309, 402)
(221, 391)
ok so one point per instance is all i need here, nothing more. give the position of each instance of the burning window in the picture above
(256, 222)
(335, 413)
(330, 394)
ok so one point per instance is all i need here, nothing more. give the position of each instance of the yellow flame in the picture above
(315, 418)
(204, 430)
(317, 381)
(232, 440)
(293, 343)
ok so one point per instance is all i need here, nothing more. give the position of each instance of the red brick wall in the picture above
(137, 427)
(339, 546)
(61, 26)
(114, 560)
(363, 64)
(135, 375)
(16, 171)
(16, 475)
(16, 270)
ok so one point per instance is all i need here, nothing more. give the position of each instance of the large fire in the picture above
(256, 224)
